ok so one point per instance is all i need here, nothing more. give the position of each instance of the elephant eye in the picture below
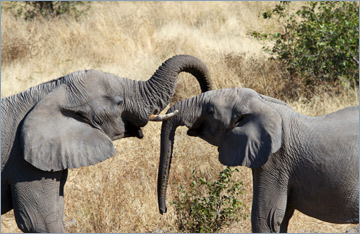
(210, 110)
(118, 100)
(240, 120)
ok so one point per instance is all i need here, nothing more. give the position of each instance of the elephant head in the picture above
(74, 124)
(239, 121)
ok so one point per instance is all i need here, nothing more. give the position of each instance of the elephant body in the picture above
(310, 164)
(315, 171)
(18, 176)
(70, 122)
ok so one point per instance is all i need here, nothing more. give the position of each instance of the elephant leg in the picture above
(269, 203)
(285, 223)
(39, 201)
(268, 213)
(6, 202)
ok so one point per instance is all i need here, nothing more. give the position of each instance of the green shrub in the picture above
(319, 42)
(205, 206)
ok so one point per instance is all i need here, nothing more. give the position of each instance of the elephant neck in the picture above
(296, 128)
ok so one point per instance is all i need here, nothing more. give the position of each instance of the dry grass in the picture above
(131, 39)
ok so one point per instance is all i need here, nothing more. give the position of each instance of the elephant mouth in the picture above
(133, 131)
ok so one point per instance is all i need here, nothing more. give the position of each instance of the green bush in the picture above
(206, 207)
(319, 42)
(30, 10)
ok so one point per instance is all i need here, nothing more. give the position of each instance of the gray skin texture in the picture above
(70, 122)
(310, 164)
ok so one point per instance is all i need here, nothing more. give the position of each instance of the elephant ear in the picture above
(252, 141)
(55, 138)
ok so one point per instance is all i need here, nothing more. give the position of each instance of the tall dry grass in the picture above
(131, 39)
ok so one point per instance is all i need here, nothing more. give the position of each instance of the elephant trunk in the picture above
(167, 140)
(188, 113)
(159, 89)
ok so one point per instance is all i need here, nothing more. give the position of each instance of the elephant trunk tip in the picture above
(162, 206)
(163, 210)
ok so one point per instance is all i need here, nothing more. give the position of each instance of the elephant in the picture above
(70, 122)
(300, 162)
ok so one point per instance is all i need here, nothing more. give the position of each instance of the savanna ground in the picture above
(131, 39)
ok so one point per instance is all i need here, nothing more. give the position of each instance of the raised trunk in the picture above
(158, 90)
(189, 111)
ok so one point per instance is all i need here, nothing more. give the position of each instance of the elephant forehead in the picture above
(221, 97)
(232, 95)
(220, 111)
(98, 82)
(221, 107)
(228, 103)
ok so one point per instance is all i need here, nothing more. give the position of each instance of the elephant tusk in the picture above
(163, 117)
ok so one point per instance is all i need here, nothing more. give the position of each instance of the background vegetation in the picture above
(206, 207)
(318, 42)
(48, 9)
(131, 39)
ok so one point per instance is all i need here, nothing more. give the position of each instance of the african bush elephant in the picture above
(70, 122)
(298, 162)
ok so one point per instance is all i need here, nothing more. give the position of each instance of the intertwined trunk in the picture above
(189, 111)
(158, 90)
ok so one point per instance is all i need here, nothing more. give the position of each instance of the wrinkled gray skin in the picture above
(298, 162)
(71, 122)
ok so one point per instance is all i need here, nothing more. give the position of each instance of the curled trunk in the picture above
(158, 90)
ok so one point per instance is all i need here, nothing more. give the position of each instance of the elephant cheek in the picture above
(114, 131)
(230, 152)
(246, 148)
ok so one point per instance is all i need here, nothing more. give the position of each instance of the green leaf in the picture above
(211, 206)
(319, 40)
